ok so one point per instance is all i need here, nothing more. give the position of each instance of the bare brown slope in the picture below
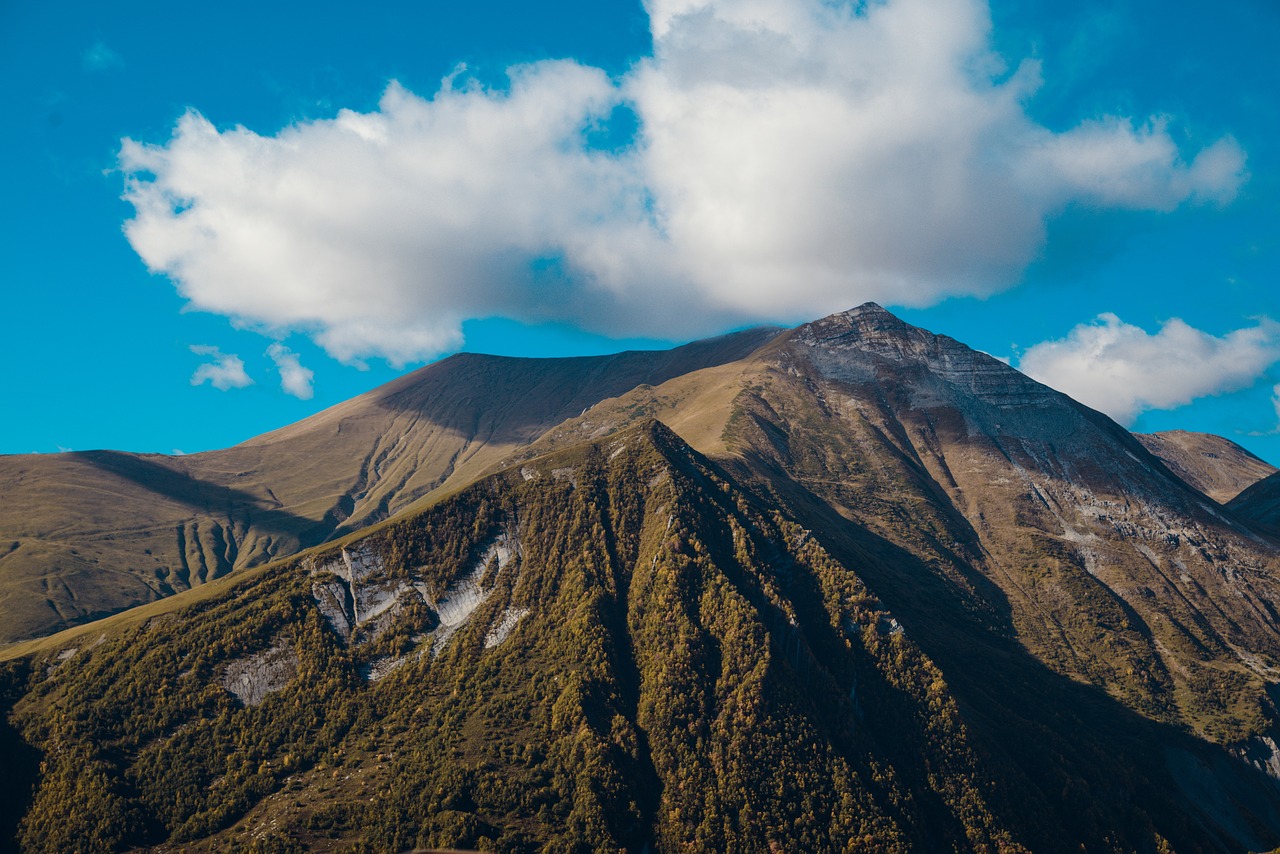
(1218, 467)
(86, 534)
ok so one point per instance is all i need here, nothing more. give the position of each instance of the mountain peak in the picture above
(869, 327)
(870, 344)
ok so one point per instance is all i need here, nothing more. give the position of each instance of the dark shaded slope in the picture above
(82, 535)
(1260, 504)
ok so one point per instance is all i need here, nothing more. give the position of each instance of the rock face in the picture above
(1218, 467)
(252, 679)
(361, 599)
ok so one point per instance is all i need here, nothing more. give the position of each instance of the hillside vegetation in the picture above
(646, 654)
(859, 588)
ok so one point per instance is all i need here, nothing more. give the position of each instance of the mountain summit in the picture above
(850, 585)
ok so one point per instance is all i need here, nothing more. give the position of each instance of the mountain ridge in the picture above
(1216, 466)
(91, 532)
(990, 612)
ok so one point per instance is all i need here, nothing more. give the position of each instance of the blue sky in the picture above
(244, 198)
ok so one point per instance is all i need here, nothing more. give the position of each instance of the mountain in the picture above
(88, 534)
(1218, 467)
(615, 646)
(851, 585)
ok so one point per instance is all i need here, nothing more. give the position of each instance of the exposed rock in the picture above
(332, 598)
(465, 595)
(252, 679)
(380, 668)
(1262, 753)
(506, 624)
(361, 604)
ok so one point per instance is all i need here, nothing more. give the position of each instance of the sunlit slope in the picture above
(616, 646)
(1218, 467)
(83, 534)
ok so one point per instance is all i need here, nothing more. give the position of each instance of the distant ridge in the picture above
(1218, 467)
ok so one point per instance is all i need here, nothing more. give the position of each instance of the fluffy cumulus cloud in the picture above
(226, 371)
(793, 157)
(294, 378)
(1123, 370)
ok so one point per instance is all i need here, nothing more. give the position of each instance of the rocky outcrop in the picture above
(252, 679)
(361, 600)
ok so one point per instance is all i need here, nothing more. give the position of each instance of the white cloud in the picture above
(100, 58)
(294, 378)
(794, 157)
(1123, 371)
(226, 371)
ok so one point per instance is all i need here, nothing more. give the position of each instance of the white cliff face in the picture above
(252, 679)
(1262, 753)
(331, 599)
(506, 624)
(361, 603)
(465, 595)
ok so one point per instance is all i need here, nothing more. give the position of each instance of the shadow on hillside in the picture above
(507, 399)
(1091, 770)
(207, 497)
(21, 760)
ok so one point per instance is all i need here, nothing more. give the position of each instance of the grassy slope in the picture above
(86, 534)
(1218, 467)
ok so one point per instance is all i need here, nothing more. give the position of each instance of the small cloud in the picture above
(101, 58)
(178, 452)
(294, 379)
(63, 450)
(226, 371)
(1122, 370)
